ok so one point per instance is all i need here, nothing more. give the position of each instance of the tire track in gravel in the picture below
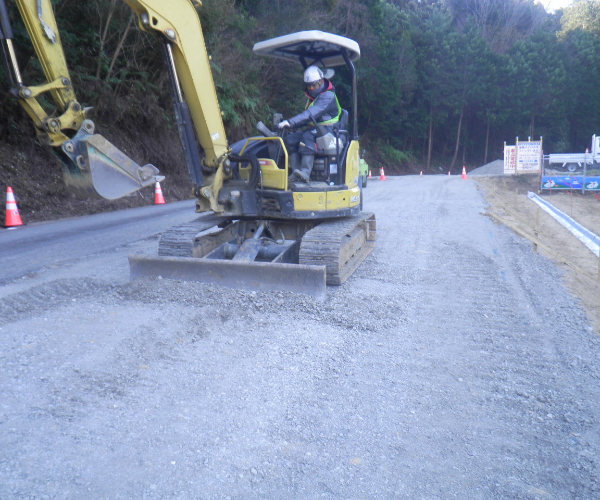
(485, 322)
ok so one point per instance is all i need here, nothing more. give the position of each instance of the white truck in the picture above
(574, 162)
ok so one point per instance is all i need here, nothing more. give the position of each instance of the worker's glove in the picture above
(283, 124)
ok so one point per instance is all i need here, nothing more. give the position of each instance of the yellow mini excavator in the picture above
(258, 230)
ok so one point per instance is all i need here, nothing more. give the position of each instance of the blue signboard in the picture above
(571, 182)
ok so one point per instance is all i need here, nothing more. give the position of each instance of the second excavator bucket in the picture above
(95, 167)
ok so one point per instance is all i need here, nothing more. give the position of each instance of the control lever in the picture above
(264, 130)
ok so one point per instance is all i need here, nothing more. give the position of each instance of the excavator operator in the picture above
(322, 111)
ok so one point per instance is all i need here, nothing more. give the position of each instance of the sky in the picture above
(552, 5)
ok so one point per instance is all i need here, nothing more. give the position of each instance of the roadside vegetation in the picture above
(441, 84)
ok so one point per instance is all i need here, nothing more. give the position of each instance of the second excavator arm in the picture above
(91, 164)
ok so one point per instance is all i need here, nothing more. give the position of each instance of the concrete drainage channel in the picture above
(587, 237)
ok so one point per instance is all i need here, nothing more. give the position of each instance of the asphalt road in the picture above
(26, 249)
(453, 364)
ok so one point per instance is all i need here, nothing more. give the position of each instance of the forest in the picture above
(442, 83)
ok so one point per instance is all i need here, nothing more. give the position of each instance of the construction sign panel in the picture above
(525, 157)
(529, 156)
(579, 182)
(510, 159)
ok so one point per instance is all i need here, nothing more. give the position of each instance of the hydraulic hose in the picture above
(9, 58)
(255, 170)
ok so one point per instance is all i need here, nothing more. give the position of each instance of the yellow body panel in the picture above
(334, 200)
(343, 199)
(307, 202)
(272, 177)
(352, 164)
(330, 200)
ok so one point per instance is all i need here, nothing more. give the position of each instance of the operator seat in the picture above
(340, 132)
(342, 125)
(331, 148)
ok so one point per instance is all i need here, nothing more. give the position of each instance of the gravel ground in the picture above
(453, 364)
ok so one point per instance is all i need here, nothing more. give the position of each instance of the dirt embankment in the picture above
(508, 198)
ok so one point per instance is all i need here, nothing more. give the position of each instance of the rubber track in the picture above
(178, 241)
(341, 245)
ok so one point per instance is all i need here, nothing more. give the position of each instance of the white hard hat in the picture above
(312, 74)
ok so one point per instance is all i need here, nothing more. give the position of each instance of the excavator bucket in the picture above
(95, 167)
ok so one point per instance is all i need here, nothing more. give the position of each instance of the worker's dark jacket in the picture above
(322, 107)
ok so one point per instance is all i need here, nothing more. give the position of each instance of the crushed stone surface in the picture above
(453, 364)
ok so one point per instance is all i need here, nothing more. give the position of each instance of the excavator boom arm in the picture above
(177, 23)
(91, 164)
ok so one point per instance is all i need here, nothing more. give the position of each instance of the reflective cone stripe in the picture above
(159, 199)
(13, 218)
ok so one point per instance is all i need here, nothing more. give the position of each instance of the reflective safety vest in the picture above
(333, 120)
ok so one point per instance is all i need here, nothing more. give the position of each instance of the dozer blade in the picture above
(261, 255)
(253, 276)
(93, 166)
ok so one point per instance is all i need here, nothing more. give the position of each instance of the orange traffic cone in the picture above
(382, 175)
(464, 173)
(370, 174)
(159, 199)
(421, 173)
(448, 172)
(13, 218)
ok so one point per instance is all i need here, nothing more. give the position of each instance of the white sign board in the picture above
(510, 160)
(525, 157)
(529, 156)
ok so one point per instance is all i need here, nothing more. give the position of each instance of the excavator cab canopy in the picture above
(310, 47)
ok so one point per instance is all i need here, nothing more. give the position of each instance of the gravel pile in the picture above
(495, 167)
